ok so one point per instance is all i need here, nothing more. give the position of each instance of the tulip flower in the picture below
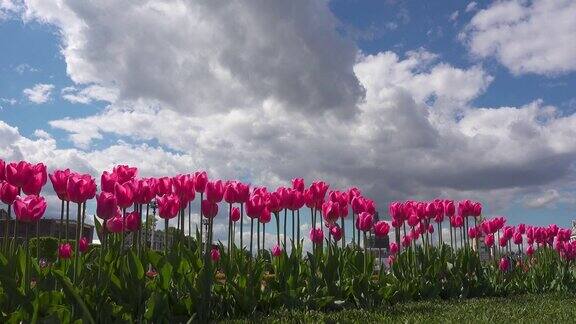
(209, 209)
(59, 181)
(2, 170)
(331, 212)
(504, 264)
(145, 191)
(298, 184)
(530, 250)
(276, 250)
(108, 181)
(132, 221)
(235, 214)
(18, 174)
(517, 239)
(83, 245)
(406, 241)
(125, 173)
(215, 254)
(168, 206)
(316, 235)
(336, 233)
(65, 251)
(230, 193)
(30, 208)
(364, 221)
(381, 229)
(164, 186)
(200, 181)
(106, 205)
(393, 248)
(36, 181)
(124, 194)
(80, 187)
(214, 191)
(489, 240)
(8, 192)
(115, 224)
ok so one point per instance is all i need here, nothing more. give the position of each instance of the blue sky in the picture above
(246, 101)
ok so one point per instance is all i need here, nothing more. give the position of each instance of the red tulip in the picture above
(489, 240)
(2, 170)
(316, 235)
(364, 221)
(504, 264)
(168, 206)
(184, 188)
(330, 211)
(36, 181)
(30, 208)
(517, 238)
(472, 232)
(108, 181)
(297, 200)
(214, 191)
(336, 232)
(124, 194)
(200, 181)
(8, 192)
(298, 184)
(209, 209)
(83, 245)
(230, 192)
(273, 202)
(319, 189)
(243, 191)
(132, 221)
(449, 208)
(125, 173)
(106, 205)
(503, 241)
(164, 186)
(393, 248)
(254, 206)
(235, 215)
(115, 224)
(406, 240)
(65, 251)
(59, 181)
(80, 187)
(381, 228)
(215, 254)
(530, 250)
(276, 250)
(265, 216)
(145, 191)
(18, 174)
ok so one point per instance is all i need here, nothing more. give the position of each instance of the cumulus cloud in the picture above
(198, 57)
(39, 94)
(89, 94)
(526, 36)
(542, 199)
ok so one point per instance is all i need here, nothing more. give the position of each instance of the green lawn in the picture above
(549, 308)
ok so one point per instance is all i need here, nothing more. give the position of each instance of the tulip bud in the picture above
(276, 250)
(336, 232)
(316, 235)
(215, 254)
(132, 223)
(83, 245)
(65, 251)
(504, 264)
(393, 248)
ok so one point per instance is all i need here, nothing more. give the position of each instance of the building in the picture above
(46, 227)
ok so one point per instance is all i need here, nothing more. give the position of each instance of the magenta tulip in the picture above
(209, 209)
(330, 211)
(336, 233)
(145, 191)
(235, 214)
(381, 229)
(115, 224)
(8, 192)
(230, 192)
(125, 173)
(30, 208)
(276, 250)
(168, 206)
(108, 181)
(132, 221)
(265, 216)
(504, 264)
(106, 205)
(65, 251)
(2, 170)
(59, 181)
(214, 191)
(530, 250)
(393, 248)
(200, 181)
(316, 235)
(254, 206)
(83, 245)
(298, 184)
(124, 194)
(36, 181)
(18, 174)
(243, 191)
(215, 254)
(164, 186)
(80, 187)
(364, 221)
(489, 240)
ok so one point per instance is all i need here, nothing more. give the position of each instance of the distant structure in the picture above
(573, 236)
(47, 227)
(377, 246)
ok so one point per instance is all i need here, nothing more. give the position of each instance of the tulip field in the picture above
(432, 255)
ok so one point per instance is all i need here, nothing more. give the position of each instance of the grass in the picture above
(548, 308)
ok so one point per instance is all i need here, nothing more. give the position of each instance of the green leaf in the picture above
(72, 293)
(135, 265)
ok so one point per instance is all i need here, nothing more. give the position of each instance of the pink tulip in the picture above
(273, 202)
(164, 186)
(215, 254)
(504, 264)
(184, 188)
(430, 229)
(83, 245)
(65, 251)
(381, 229)
(503, 241)
(108, 180)
(406, 241)
(449, 208)
(30, 208)
(517, 239)
(231, 192)
(8, 192)
(146, 191)
(125, 173)
(319, 189)
(276, 250)
(364, 221)
(59, 181)
(316, 235)
(168, 206)
(36, 181)
(336, 233)
(80, 187)
(18, 174)
(115, 224)
(472, 232)
(265, 216)
(393, 248)
(243, 191)
(200, 181)
(2, 170)
(132, 221)
(489, 240)
(235, 215)
(209, 209)
(331, 211)
(298, 184)
(254, 206)
(106, 205)
(124, 194)
(214, 191)
(530, 250)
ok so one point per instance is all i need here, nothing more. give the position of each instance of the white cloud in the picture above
(542, 199)
(24, 67)
(39, 94)
(471, 6)
(89, 94)
(527, 37)
(454, 15)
